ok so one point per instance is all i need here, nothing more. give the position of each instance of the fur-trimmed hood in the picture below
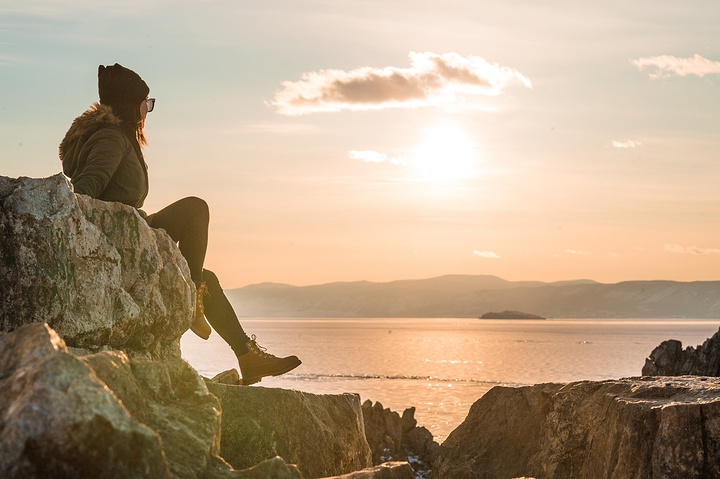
(100, 159)
(92, 119)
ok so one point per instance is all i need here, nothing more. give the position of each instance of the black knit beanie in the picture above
(118, 86)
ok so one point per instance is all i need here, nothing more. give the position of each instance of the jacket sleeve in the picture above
(106, 151)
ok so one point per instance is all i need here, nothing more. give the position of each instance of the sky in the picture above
(384, 140)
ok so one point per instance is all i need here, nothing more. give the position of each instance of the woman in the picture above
(102, 155)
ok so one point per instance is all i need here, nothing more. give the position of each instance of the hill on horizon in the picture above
(473, 295)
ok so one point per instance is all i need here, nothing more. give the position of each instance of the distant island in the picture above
(510, 315)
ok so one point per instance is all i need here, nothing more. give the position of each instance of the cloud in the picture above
(664, 66)
(694, 250)
(369, 156)
(625, 144)
(579, 253)
(486, 254)
(432, 79)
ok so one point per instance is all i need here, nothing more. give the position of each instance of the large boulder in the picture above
(637, 427)
(93, 270)
(322, 434)
(108, 416)
(57, 419)
(670, 359)
(170, 398)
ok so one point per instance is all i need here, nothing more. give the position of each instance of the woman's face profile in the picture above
(143, 109)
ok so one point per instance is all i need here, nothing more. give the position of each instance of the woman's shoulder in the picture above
(98, 119)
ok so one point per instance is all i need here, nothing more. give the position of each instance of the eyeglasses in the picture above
(150, 104)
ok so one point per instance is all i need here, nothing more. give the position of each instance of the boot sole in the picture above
(257, 379)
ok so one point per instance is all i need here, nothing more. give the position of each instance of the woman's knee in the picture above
(197, 208)
(210, 278)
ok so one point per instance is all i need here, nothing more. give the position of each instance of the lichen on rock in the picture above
(59, 420)
(322, 434)
(93, 270)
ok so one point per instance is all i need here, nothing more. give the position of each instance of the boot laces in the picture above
(200, 292)
(259, 350)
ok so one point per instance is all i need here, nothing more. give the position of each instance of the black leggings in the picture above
(186, 221)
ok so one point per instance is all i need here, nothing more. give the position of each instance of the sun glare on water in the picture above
(445, 154)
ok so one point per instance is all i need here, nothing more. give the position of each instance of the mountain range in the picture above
(461, 296)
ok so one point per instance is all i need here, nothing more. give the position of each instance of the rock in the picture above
(392, 437)
(93, 270)
(383, 430)
(637, 427)
(274, 468)
(408, 419)
(419, 441)
(387, 470)
(170, 398)
(670, 359)
(59, 420)
(322, 434)
(231, 377)
(108, 416)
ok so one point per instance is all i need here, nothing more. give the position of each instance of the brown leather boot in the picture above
(256, 363)
(199, 325)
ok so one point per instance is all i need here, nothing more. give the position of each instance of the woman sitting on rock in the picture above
(102, 155)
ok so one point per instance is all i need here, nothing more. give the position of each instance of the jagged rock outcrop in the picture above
(384, 430)
(322, 434)
(637, 427)
(93, 270)
(392, 437)
(670, 359)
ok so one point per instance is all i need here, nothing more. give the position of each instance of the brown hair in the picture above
(132, 123)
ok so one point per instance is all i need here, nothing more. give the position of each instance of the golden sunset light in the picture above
(323, 239)
(504, 126)
(445, 153)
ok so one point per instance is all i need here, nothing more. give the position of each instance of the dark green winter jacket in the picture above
(101, 160)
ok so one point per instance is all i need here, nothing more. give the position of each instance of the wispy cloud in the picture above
(664, 66)
(486, 254)
(432, 79)
(694, 250)
(625, 144)
(369, 156)
(576, 252)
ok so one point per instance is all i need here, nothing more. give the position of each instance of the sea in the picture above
(441, 366)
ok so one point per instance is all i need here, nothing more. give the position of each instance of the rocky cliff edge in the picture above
(637, 427)
(92, 306)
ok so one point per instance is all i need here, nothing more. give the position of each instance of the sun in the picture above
(445, 154)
